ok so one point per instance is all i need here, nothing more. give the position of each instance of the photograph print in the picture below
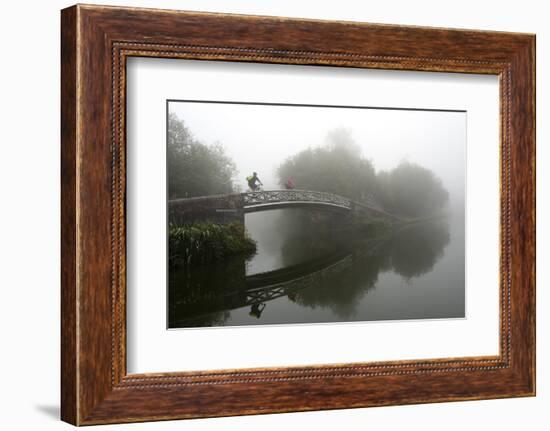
(305, 214)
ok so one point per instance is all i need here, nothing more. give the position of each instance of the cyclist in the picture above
(253, 181)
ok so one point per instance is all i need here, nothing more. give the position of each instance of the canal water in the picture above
(308, 270)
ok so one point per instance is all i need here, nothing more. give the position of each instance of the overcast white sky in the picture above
(260, 137)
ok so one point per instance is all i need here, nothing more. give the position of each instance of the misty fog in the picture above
(261, 137)
(311, 265)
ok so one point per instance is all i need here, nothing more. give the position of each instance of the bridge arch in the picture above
(234, 206)
(279, 199)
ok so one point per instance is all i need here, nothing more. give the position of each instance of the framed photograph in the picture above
(325, 235)
(322, 214)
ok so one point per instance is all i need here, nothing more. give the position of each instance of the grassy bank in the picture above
(201, 243)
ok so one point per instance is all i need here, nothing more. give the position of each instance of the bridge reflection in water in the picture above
(206, 296)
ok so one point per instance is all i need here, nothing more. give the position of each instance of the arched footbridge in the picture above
(237, 204)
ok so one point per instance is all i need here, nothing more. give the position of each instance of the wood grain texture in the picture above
(69, 397)
(96, 41)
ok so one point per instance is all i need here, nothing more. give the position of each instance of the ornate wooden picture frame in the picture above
(96, 41)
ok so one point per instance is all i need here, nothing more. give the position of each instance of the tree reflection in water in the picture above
(415, 250)
(324, 269)
(409, 252)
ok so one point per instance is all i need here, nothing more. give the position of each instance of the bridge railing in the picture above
(275, 196)
(189, 209)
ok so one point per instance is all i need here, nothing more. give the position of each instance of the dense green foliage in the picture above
(336, 167)
(411, 190)
(194, 168)
(201, 243)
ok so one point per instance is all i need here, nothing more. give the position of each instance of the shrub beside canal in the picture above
(204, 242)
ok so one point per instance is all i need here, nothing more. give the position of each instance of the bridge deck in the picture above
(264, 200)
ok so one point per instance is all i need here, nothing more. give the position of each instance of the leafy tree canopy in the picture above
(194, 168)
(339, 167)
(335, 167)
(411, 190)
